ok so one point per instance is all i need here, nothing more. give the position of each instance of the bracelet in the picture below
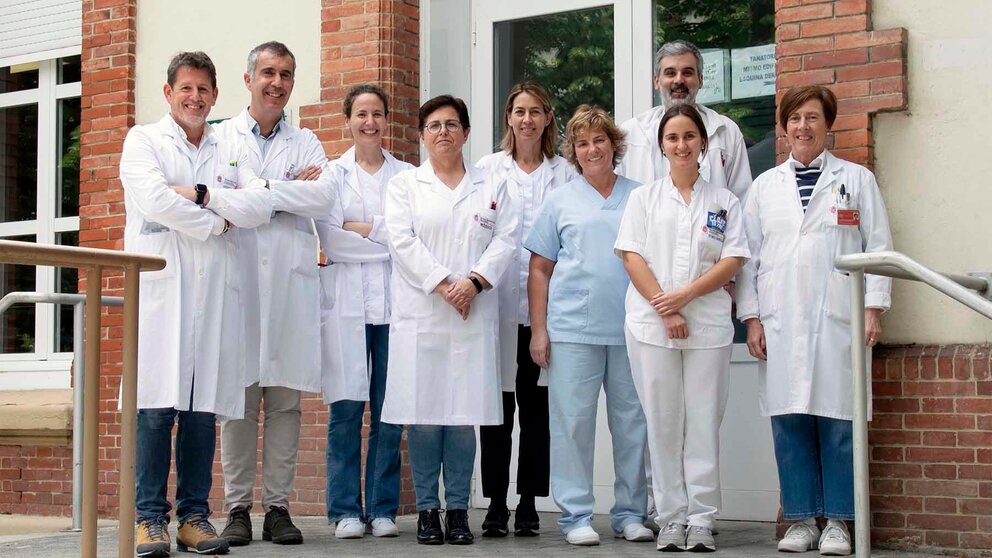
(476, 282)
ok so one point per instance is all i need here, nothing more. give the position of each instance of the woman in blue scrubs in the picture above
(576, 289)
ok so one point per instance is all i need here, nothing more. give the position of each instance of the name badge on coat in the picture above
(227, 175)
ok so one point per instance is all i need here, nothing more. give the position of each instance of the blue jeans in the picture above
(344, 446)
(195, 443)
(431, 446)
(577, 373)
(815, 466)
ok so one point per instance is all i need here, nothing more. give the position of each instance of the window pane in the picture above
(66, 281)
(67, 166)
(69, 69)
(737, 40)
(18, 163)
(17, 323)
(18, 78)
(569, 53)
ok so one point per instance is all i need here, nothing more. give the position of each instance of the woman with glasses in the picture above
(531, 169)
(451, 229)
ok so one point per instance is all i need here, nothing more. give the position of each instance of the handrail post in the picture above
(77, 415)
(91, 403)
(859, 377)
(129, 404)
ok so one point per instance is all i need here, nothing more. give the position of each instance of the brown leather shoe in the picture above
(196, 534)
(153, 539)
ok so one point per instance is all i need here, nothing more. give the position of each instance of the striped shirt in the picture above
(806, 178)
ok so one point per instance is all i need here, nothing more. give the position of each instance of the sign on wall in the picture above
(752, 71)
(714, 88)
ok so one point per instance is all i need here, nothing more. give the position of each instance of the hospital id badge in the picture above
(848, 217)
(716, 224)
(227, 175)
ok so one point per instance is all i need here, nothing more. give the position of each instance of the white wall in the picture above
(930, 162)
(226, 31)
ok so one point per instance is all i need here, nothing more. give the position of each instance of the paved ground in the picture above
(736, 539)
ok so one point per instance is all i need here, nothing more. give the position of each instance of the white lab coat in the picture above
(345, 372)
(724, 164)
(513, 286)
(791, 284)
(279, 258)
(443, 370)
(190, 339)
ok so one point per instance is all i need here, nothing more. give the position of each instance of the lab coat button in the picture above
(265, 261)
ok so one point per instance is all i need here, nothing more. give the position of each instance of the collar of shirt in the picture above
(673, 192)
(256, 131)
(816, 163)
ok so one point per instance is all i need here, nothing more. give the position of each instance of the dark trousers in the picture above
(533, 461)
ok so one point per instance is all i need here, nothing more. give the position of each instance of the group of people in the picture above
(457, 296)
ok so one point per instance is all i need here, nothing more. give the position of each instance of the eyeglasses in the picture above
(451, 126)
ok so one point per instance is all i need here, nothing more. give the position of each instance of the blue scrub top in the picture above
(576, 228)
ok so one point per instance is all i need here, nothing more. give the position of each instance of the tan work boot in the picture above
(153, 539)
(196, 534)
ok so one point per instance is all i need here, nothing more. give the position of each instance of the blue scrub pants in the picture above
(576, 374)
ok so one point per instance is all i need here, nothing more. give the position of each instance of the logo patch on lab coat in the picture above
(486, 218)
(716, 224)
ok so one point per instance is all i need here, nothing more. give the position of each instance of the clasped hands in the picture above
(459, 294)
(667, 305)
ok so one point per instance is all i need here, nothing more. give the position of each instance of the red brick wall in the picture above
(832, 43)
(931, 446)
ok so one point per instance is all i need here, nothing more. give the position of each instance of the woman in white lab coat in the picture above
(451, 229)
(355, 325)
(531, 169)
(798, 217)
(681, 240)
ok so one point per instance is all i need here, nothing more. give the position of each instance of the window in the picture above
(39, 202)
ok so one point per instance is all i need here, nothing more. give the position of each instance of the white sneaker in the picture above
(583, 536)
(350, 528)
(799, 538)
(384, 527)
(671, 538)
(699, 539)
(835, 540)
(635, 532)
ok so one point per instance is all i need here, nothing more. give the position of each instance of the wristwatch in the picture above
(476, 282)
(201, 193)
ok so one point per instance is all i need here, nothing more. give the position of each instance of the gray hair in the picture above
(275, 47)
(675, 48)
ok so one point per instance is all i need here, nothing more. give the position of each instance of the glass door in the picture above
(579, 50)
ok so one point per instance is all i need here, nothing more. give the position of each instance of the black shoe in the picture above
(429, 528)
(238, 528)
(495, 523)
(526, 522)
(278, 527)
(456, 527)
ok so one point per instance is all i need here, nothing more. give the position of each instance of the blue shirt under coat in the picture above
(576, 228)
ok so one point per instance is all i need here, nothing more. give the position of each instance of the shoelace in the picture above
(673, 528)
(699, 530)
(202, 524)
(155, 529)
(798, 531)
(832, 533)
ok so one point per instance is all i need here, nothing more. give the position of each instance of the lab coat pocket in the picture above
(838, 302)
(767, 297)
(304, 253)
(227, 175)
(329, 277)
(163, 244)
(485, 222)
(568, 309)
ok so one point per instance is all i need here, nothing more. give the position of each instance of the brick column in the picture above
(832, 43)
(107, 103)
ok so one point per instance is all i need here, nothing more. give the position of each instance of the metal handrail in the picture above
(77, 301)
(94, 261)
(972, 291)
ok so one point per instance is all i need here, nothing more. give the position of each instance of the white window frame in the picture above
(45, 367)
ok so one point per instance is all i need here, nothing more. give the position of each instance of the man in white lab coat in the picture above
(678, 78)
(281, 298)
(190, 357)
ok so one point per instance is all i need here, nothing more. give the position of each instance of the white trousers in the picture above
(684, 394)
(280, 441)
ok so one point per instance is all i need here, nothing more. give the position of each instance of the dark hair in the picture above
(362, 89)
(439, 102)
(196, 60)
(549, 137)
(589, 117)
(689, 112)
(798, 96)
(274, 47)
